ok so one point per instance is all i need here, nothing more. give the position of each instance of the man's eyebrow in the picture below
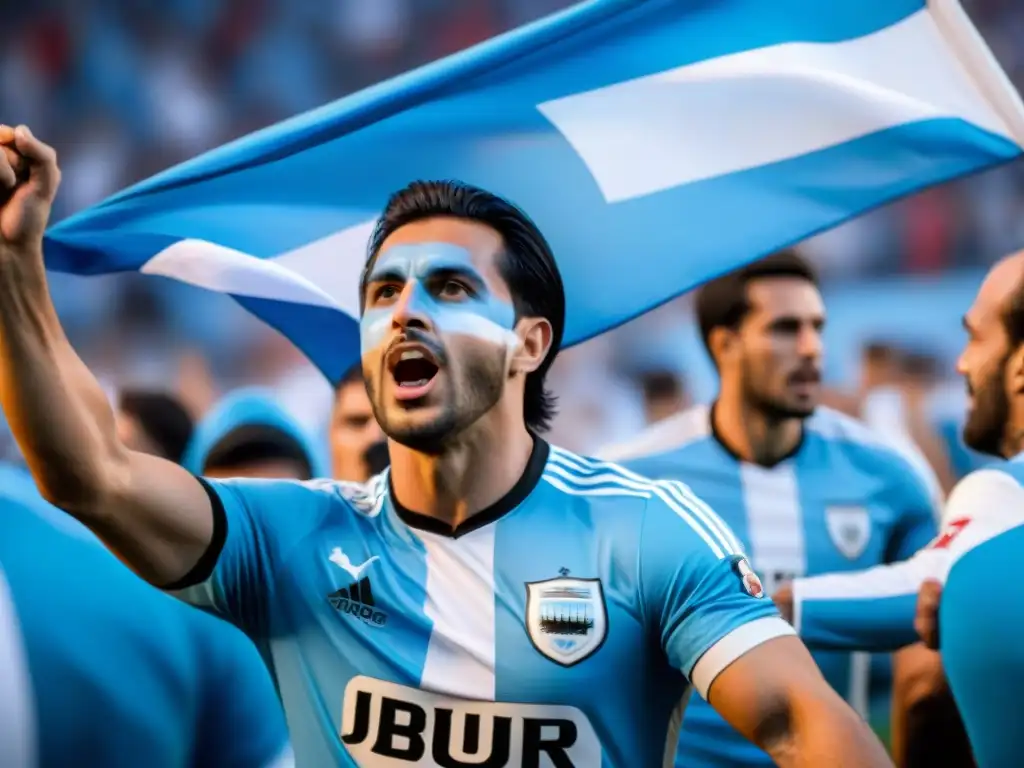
(384, 273)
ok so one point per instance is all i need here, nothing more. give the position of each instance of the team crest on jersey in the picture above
(849, 527)
(566, 618)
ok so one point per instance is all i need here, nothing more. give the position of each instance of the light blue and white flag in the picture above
(657, 143)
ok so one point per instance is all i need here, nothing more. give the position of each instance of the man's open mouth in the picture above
(412, 365)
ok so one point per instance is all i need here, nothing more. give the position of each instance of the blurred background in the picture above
(125, 88)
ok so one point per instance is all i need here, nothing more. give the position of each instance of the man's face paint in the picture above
(423, 279)
(431, 300)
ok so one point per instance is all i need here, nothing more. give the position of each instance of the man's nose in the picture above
(411, 308)
(809, 343)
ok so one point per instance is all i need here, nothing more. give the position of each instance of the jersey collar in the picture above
(518, 493)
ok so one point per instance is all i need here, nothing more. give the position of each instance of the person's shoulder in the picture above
(988, 489)
(895, 457)
(670, 434)
(665, 509)
(983, 505)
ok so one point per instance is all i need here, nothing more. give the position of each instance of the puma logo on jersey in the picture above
(341, 560)
(357, 598)
(385, 724)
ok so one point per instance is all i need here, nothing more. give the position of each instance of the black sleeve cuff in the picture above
(203, 569)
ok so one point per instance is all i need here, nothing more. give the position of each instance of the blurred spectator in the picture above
(921, 378)
(358, 447)
(664, 394)
(248, 435)
(153, 422)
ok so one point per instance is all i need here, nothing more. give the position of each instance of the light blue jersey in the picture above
(97, 668)
(563, 626)
(844, 500)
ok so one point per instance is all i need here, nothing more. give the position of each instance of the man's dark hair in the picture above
(723, 303)
(254, 443)
(527, 265)
(162, 417)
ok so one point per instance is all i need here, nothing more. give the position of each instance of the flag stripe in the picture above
(657, 141)
(664, 123)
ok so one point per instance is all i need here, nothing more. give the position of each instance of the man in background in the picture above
(977, 555)
(358, 448)
(805, 488)
(247, 434)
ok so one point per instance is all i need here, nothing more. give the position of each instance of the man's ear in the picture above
(723, 343)
(1015, 371)
(535, 335)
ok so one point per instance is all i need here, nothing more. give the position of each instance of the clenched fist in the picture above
(29, 178)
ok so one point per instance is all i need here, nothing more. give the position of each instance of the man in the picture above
(806, 489)
(153, 422)
(358, 449)
(464, 607)
(98, 668)
(247, 434)
(976, 555)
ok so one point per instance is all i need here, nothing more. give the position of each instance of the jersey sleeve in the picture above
(254, 523)
(873, 610)
(241, 722)
(698, 593)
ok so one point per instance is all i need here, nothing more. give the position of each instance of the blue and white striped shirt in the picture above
(571, 619)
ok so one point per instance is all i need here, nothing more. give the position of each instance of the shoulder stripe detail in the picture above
(678, 497)
(602, 491)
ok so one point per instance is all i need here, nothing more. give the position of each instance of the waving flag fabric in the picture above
(657, 143)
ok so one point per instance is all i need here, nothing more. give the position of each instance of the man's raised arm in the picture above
(153, 513)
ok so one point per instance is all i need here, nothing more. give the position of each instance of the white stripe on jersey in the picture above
(17, 708)
(582, 472)
(460, 602)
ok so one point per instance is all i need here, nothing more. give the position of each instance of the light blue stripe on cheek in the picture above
(373, 328)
